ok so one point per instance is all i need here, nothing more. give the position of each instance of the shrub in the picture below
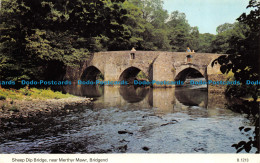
(25, 92)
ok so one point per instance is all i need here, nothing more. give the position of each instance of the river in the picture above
(132, 120)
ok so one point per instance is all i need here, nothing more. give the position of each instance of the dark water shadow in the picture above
(92, 91)
(192, 97)
(133, 94)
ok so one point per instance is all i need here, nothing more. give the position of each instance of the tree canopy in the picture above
(38, 35)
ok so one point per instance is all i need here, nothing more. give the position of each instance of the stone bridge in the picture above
(156, 65)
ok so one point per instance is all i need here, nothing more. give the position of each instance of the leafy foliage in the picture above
(40, 38)
(205, 42)
(39, 35)
(241, 41)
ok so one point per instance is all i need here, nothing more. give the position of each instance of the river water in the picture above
(132, 120)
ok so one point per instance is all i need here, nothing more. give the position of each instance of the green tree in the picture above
(224, 27)
(155, 34)
(38, 36)
(179, 31)
(193, 39)
(205, 42)
(225, 41)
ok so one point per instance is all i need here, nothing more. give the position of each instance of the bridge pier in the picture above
(111, 72)
(214, 74)
(163, 69)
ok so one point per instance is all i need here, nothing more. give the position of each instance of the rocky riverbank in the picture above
(26, 109)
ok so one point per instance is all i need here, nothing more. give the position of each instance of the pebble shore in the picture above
(27, 109)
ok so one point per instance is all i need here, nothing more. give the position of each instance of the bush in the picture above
(25, 92)
(240, 90)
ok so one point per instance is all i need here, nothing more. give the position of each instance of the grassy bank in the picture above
(26, 103)
(30, 94)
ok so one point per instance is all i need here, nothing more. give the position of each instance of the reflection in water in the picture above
(192, 97)
(87, 91)
(165, 100)
(133, 94)
(127, 119)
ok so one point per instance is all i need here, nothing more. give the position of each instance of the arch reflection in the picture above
(133, 94)
(192, 97)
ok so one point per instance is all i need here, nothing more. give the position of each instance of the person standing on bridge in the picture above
(188, 50)
(189, 56)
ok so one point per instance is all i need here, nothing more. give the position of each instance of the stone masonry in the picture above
(156, 65)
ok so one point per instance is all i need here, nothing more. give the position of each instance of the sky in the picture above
(208, 14)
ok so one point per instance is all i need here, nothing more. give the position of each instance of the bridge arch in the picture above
(130, 73)
(91, 73)
(189, 72)
(215, 69)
